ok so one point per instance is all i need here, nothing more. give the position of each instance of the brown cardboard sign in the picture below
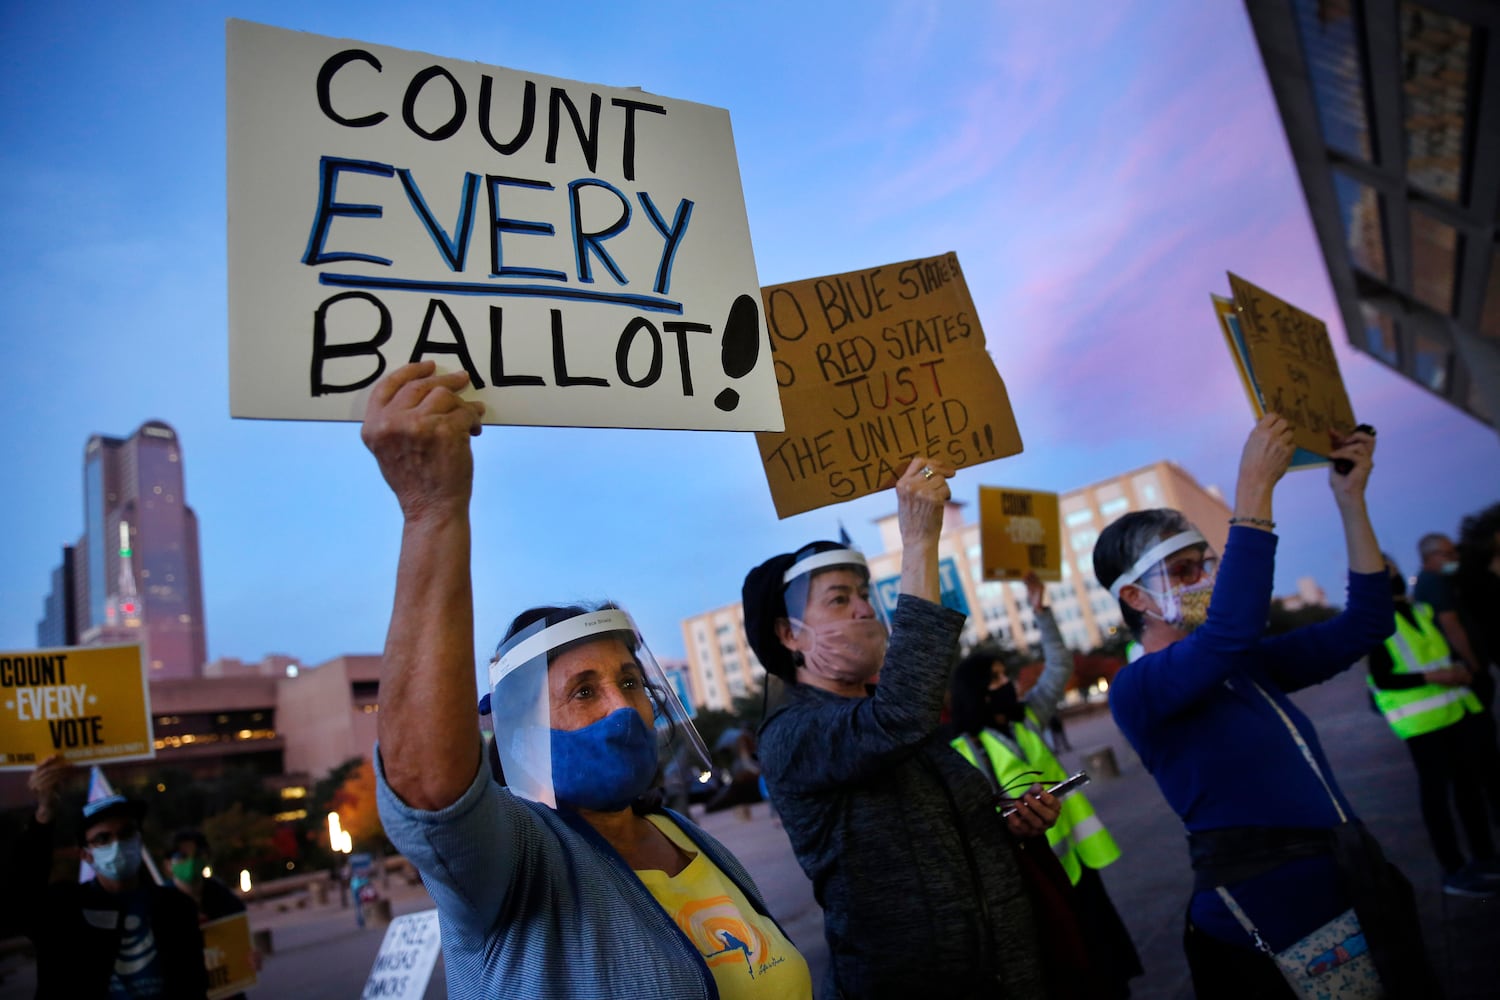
(877, 367)
(1292, 364)
(1020, 532)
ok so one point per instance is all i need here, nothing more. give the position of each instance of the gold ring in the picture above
(927, 472)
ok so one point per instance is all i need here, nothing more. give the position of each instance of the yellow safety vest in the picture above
(1415, 649)
(1078, 836)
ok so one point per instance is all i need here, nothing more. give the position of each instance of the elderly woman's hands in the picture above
(1358, 449)
(1267, 454)
(921, 493)
(418, 428)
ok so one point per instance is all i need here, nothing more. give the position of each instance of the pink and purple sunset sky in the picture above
(1097, 167)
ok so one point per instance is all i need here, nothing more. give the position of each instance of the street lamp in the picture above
(339, 840)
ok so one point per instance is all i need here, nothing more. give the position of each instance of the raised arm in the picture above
(857, 737)
(921, 493)
(1349, 494)
(1057, 658)
(1180, 670)
(1315, 653)
(418, 428)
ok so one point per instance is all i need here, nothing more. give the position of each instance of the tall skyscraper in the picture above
(137, 575)
(59, 624)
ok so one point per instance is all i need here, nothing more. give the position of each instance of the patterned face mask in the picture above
(1184, 608)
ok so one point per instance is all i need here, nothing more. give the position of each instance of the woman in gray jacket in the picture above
(917, 873)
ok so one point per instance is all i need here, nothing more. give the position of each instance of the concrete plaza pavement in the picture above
(319, 952)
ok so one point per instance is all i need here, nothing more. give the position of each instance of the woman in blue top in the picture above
(564, 883)
(1277, 850)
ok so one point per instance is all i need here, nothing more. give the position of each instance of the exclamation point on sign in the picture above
(989, 440)
(741, 346)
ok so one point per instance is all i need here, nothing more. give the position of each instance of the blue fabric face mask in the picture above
(604, 765)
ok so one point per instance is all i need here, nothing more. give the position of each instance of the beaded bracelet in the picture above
(1259, 522)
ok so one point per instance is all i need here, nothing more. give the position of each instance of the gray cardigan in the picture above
(909, 859)
(534, 904)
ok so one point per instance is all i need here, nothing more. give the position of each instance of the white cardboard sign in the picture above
(407, 955)
(583, 251)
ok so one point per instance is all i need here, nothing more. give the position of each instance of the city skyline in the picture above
(1094, 200)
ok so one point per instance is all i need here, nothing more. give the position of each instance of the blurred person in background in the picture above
(1424, 697)
(1478, 592)
(117, 935)
(1002, 734)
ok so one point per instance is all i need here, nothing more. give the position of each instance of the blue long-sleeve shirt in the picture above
(1200, 715)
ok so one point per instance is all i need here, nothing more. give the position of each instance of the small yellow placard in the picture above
(91, 704)
(1019, 532)
(226, 955)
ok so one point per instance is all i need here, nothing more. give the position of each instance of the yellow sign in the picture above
(226, 954)
(91, 704)
(1287, 361)
(1020, 532)
(875, 368)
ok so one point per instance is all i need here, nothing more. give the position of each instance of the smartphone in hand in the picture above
(1059, 790)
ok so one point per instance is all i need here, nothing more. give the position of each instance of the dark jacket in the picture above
(914, 868)
(76, 928)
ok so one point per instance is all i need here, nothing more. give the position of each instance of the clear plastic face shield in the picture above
(584, 716)
(1178, 573)
(826, 595)
(797, 580)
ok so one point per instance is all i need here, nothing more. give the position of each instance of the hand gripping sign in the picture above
(581, 251)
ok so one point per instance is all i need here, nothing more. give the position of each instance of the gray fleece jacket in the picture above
(909, 859)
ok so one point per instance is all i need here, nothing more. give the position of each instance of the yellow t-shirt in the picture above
(746, 952)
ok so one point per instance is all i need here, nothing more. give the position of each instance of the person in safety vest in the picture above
(1000, 733)
(1427, 701)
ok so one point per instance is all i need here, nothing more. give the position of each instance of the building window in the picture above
(1430, 362)
(1077, 517)
(1435, 89)
(1434, 259)
(1380, 336)
(1489, 319)
(1113, 508)
(1330, 40)
(1362, 218)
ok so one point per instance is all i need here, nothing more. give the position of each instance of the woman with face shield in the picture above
(1000, 733)
(570, 881)
(919, 876)
(1292, 897)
